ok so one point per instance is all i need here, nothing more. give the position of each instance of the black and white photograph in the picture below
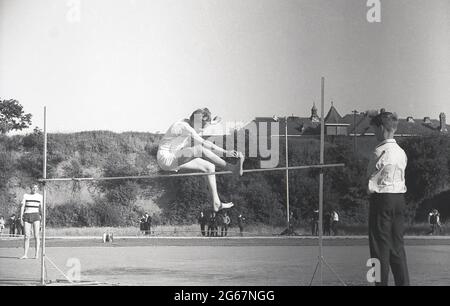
(224, 148)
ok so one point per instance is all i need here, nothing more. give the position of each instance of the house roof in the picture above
(418, 127)
(333, 116)
(305, 126)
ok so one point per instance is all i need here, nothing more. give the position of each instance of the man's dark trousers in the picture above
(386, 228)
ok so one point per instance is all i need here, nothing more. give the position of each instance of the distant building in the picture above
(406, 127)
(350, 124)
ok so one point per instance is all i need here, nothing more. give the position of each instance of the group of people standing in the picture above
(145, 224)
(13, 223)
(435, 222)
(330, 223)
(217, 224)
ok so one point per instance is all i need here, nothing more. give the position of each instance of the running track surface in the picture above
(265, 261)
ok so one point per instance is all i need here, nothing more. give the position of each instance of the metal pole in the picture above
(44, 199)
(287, 172)
(157, 176)
(354, 130)
(322, 145)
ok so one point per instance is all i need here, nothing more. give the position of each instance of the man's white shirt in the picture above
(386, 171)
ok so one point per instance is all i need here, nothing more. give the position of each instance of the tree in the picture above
(12, 116)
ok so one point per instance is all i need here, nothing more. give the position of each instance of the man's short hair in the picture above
(386, 119)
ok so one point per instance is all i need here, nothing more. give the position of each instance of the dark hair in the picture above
(386, 119)
(205, 115)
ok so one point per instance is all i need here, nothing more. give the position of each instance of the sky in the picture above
(140, 65)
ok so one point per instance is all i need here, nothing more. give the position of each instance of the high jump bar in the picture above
(156, 176)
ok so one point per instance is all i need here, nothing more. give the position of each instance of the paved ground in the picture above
(219, 261)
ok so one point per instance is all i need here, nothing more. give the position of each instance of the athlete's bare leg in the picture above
(36, 228)
(199, 164)
(26, 241)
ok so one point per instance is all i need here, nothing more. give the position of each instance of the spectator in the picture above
(290, 230)
(19, 227)
(387, 188)
(225, 223)
(202, 220)
(142, 224)
(327, 221)
(108, 236)
(241, 221)
(2, 224)
(291, 222)
(334, 222)
(12, 225)
(212, 225)
(435, 222)
(315, 223)
(155, 223)
(149, 224)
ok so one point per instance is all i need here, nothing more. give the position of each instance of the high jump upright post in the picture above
(44, 200)
(287, 171)
(322, 147)
(321, 260)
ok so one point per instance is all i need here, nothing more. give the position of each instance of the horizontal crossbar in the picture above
(156, 176)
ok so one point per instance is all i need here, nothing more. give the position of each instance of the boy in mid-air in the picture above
(176, 152)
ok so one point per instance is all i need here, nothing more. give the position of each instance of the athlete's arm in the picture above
(40, 205)
(208, 144)
(22, 208)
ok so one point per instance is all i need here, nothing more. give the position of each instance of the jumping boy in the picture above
(386, 185)
(175, 152)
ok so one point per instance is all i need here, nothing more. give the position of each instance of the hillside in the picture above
(261, 197)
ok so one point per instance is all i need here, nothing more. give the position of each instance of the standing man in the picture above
(241, 221)
(435, 223)
(142, 224)
(315, 223)
(149, 224)
(202, 220)
(225, 223)
(2, 224)
(212, 225)
(327, 221)
(30, 216)
(12, 225)
(19, 226)
(386, 186)
(334, 222)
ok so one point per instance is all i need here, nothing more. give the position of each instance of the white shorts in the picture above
(167, 161)
(171, 161)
